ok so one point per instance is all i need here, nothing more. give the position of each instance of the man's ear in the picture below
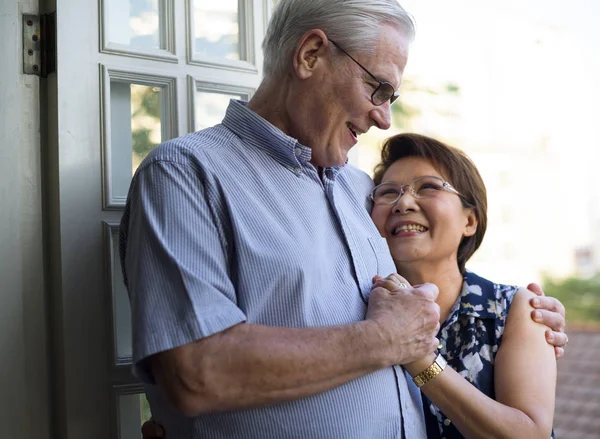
(471, 226)
(311, 53)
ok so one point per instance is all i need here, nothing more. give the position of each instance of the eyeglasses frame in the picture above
(445, 186)
(394, 95)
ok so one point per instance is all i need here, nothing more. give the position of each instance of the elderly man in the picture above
(249, 253)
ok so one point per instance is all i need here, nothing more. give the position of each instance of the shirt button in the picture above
(298, 170)
(298, 151)
(447, 422)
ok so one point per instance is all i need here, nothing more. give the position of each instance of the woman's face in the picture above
(427, 229)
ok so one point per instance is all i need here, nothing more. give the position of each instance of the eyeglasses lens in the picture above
(384, 93)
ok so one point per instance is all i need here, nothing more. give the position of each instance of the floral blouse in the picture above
(469, 339)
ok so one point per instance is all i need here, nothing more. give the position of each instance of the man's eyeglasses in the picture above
(384, 91)
(423, 187)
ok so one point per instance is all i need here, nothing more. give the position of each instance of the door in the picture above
(24, 408)
(130, 74)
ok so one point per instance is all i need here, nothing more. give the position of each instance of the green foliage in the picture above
(141, 142)
(146, 102)
(581, 298)
(403, 111)
(145, 413)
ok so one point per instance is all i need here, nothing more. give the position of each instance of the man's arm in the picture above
(250, 366)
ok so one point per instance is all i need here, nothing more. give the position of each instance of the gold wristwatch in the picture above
(439, 364)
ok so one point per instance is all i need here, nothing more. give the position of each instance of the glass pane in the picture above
(121, 306)
(145, 121)
(134, 23)
(135, 114)
(216, 29)
(133, 412)
(210, 107)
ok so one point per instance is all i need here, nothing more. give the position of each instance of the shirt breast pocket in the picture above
(384, 263)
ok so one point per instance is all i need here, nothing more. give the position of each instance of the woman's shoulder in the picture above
(498, 297)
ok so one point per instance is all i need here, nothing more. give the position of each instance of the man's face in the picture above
(340, 106)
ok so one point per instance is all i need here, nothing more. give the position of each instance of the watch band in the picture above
(439, 364)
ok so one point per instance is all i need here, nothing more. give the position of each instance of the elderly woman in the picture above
(430, 204)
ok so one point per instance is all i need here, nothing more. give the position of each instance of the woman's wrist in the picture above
(418, 366)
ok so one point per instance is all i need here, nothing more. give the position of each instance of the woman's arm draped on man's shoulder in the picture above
(525, 381)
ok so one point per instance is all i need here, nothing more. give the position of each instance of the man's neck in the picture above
(269, 103)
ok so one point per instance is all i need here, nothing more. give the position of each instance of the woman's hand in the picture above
(152, 430)
(390, 283)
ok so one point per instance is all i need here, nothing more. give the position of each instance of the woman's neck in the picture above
(446, 276)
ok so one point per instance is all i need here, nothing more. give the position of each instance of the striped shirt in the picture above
(234, 224)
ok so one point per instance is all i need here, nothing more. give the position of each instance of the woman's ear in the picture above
(471, 225)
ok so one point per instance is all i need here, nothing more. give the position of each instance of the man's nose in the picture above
(381, 115)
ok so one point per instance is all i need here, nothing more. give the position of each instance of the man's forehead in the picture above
(390, 55)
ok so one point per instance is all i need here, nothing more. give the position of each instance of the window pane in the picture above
(134, 23)
(136, 128)
(145, 121)
(210, 107)
(121, 307)
(133, 412)
(216, 29)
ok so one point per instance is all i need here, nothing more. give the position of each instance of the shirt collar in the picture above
(253, 130)
(477, 299)
(256, 131)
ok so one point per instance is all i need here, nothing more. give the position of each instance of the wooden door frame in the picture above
(24, 376)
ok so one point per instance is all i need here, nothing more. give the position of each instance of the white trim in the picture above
(166, 35)
(267, 11)
(195, 85)
(247, 62)
(116, 392)
(169, 117)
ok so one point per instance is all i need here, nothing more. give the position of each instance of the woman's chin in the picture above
(406, 259)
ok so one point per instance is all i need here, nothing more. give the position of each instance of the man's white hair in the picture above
(354, 24)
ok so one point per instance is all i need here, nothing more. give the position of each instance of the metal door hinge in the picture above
(39, 44)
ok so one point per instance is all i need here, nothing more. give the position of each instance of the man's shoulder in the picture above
(194, 148)
(356, 177)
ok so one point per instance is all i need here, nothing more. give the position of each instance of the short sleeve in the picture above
(174, 261)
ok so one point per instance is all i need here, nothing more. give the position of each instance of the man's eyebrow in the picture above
(377, 77)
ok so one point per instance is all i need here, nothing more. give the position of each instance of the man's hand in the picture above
(550, 312)
(152, 430)
(408, 317)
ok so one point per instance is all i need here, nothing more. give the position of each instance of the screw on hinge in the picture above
(30, 52)
(29, 23)
(35, 38)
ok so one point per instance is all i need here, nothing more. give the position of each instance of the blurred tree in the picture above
(405, 108)
(581, 298)
(146, 104)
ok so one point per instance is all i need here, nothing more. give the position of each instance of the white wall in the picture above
(23, 359)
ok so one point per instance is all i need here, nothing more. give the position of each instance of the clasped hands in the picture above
(411, 312)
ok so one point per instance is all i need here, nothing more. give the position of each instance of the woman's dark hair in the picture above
(455, 166)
